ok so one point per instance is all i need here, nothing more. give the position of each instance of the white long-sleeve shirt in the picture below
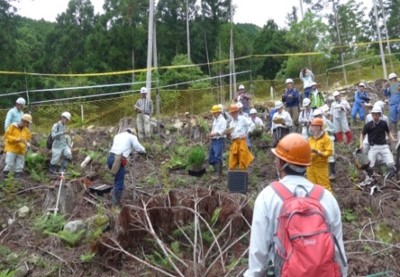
(240, 127)
(286, 116)
(124, 143)
(264, 225)
(340, 108)
(219, 126)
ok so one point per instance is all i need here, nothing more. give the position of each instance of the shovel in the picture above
(55, 210)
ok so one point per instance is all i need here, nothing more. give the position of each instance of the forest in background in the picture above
(81, 41)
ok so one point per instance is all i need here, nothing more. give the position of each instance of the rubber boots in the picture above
(53, 169)
(64, 165)
(116, 197)
(332, 171)
(349, 137)
(339, 137)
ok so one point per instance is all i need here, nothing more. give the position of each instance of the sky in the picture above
(257, 12)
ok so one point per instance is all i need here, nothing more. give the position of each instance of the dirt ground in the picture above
(159, 200)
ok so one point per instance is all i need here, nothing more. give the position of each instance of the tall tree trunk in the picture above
(387, 35)
(380, 41)
(150, 47)
(334, 6)
(187, 30)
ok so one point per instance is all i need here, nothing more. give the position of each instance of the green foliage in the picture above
(35, 163)
(87, 257)
(8, 273)
(4, 251)
(72, 239)
(352, 172)
(196, 157)
(176, 247)
(158, 259)
(348, 215)
(215, 216)
(50, 223)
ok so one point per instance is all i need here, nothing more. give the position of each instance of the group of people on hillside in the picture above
(17, 139)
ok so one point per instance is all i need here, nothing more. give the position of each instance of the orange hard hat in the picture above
(233, 108)
(294, 149)
(317, 122)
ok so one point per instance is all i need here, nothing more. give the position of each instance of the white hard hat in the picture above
(331, 98)
(253, 111)
(239, 105)
(278, 104)
(143, 90)
(380, 104)
(67, 115)
(241, 87)
(392, 75)
(306, 102)
(362, 85)
(336, 93)
(288, 81)
(21, 101)
(318, 112)
(376, 110)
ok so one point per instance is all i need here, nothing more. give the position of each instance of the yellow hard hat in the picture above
(216, 109)
(27, 117)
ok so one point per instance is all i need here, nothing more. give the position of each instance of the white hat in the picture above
(278, 104)
(143, 90)
(241, 87)
(362, 85)
(376, 110)
(392, 75)
(380, 104)
(239, 105)
(21, 101)
(67, 115)
(336, 93)
(288, 81)
(306, 102)
(324, 108)
(331, 98)
(318, 112)
(253, 111)
(313, 84)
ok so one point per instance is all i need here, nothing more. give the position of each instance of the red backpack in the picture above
(304, 244)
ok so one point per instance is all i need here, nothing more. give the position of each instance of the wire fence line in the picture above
(107, 109)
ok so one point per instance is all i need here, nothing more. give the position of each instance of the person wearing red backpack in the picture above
(296, 227)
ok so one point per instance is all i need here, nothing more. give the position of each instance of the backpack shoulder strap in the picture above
(283, 192)
(316, 193)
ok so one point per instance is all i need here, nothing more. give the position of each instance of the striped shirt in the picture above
(145, 106)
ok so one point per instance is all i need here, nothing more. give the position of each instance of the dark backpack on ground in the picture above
(49, 142)
(304, 244)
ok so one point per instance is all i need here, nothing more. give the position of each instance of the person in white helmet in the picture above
(305, 117)
(377, 131)
(61, 147)
(339, 110)
(281, 123)
(14, 114)
(291, 99)
(392, 92)
(360, 99)
(144, 108)
(243, 98)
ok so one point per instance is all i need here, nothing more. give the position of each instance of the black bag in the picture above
(49, 142)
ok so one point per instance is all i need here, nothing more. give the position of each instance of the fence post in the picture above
(271, 92)
(82, 117)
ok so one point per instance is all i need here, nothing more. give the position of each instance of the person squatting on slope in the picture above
(360, 99)
(305, 118)
(123, 145)
(339, 109)
(239, 154)
(392, 91)
(14, 114)
(377, 130)
(281, 123)
(321, 149)
(293, 155)
(17, 137)
(217, 136)
(290, 98)
(61, 146)
(144, 108)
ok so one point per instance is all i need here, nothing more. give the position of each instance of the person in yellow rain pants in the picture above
(321, 149)
(239, 154)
